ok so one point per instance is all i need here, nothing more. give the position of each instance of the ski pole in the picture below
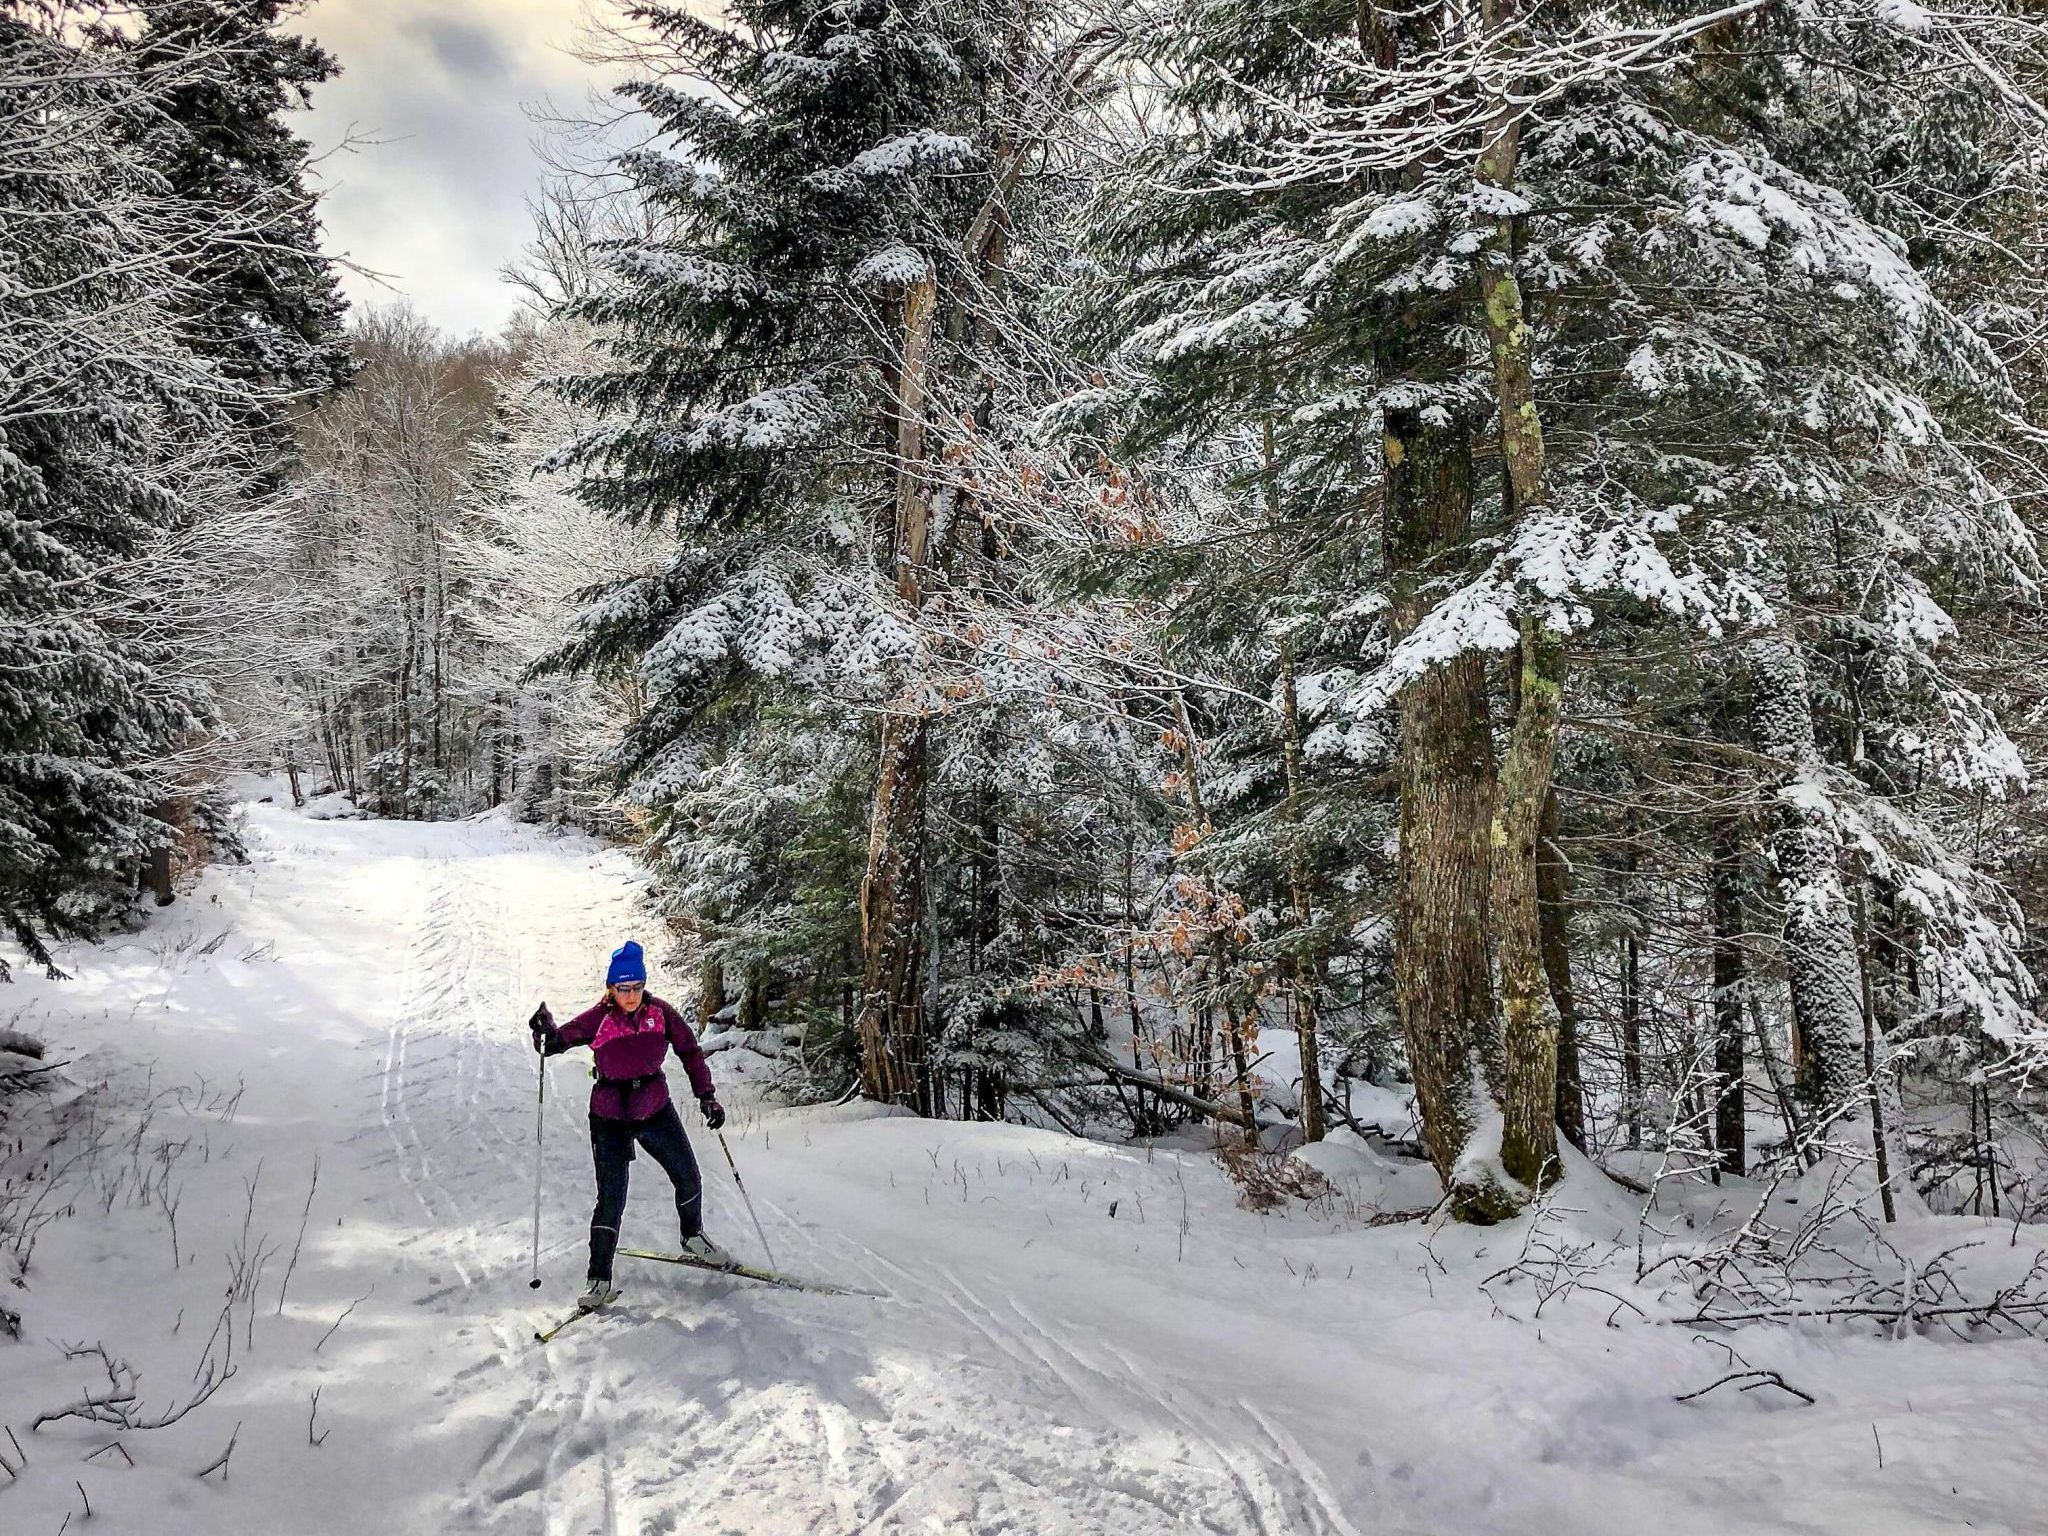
(540, 1106)
(742, 1186)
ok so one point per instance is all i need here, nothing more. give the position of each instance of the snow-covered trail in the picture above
(1067, 1337)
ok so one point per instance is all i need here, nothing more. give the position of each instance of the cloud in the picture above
(467, 50)
(441, 87)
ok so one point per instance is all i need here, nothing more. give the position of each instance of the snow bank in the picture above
(1065, 1336)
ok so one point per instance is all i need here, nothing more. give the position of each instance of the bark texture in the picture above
(892, 1016)
(1442, 982)
(1731, 1137)
(1821, 963)
(892, 895)
(1553, 889)
(1528, 1087)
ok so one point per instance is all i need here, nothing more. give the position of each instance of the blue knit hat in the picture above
(627, 965)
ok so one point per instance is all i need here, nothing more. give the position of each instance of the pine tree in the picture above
(260, 296)
(121, 438)
(795, 379)
(1716, 371)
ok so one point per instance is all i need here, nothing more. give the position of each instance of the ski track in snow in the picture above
(1026, 1368)
(607, 1424)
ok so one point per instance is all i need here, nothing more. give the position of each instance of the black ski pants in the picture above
(611, 1147)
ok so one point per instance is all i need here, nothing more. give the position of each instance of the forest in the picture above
(1319, 725)
(1129, 565)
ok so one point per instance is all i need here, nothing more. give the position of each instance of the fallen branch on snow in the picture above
(120, 1404)
(1754, 1379)
(21, 1045)
(1406, 1145)
(1180, 1096)
(220, 1463)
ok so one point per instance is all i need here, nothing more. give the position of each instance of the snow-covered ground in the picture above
(1065, 1336)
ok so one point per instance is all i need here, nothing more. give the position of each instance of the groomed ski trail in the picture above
(698, 1398)
(1070, 1338)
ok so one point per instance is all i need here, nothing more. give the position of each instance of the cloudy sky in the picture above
(445, 84)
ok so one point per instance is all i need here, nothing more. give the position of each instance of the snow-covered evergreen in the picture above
(1399, 641)
(139, 419)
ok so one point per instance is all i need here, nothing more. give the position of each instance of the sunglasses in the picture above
(629, 986)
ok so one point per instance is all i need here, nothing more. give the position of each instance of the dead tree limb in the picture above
(1112, 1067)
(220, 1463)
(1754, 1379)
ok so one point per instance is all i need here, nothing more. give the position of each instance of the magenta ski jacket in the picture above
(628, 1050)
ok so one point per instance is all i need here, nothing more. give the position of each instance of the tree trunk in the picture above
(753, 1012)
(1731, 1137)
(710, 992)
(892, 923)
(1788, 1106)
(440, 653)
(1528, 1090)
(892, 1022)
(1442, 984)
(500, 730)
(1873, 1032)
(1148, 1120)
(1301, 969)
(1821, 966)
(330, 739)
(1235, 1027)
(353, 746)
(157, 871)
(982, 1090)
(1553, 891)
(1238, 1025)
(405, 727)
(1631, 998)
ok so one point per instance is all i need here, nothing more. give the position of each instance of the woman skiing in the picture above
(629, 1033)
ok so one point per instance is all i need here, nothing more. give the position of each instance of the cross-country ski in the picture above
(745, 1272)
(548, 1331)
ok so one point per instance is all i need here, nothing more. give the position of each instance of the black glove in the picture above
(714, 1113)
(542, 1024)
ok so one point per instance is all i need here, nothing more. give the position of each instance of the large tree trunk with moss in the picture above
(1528, 1086)
(1442, 983)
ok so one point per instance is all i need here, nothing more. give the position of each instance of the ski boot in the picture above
(705, 1251)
